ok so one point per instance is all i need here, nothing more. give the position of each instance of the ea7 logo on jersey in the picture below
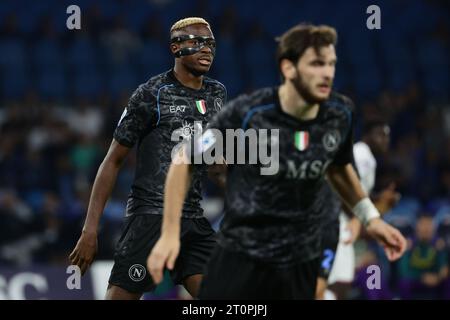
(306, 170)
(331, 140)
(176, 109)
(179, 105)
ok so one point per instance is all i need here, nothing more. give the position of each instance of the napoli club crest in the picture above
(218, 103)
(331, 140)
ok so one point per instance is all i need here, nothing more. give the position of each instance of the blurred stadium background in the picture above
(62, 93)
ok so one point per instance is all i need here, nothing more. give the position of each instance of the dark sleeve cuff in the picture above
(123, 141)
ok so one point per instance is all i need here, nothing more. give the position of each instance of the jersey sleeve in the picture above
(223, 95)
(138, 118)
(344, 155)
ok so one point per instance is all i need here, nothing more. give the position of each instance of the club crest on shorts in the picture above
(331, 140)
(201, 106)
(301, 140)
(137, 272)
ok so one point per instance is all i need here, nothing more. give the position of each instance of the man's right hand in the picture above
(85, 251)
(389, 237)
(164, 254)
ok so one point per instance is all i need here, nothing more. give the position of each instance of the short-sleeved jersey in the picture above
(277, 217)
(160, 114)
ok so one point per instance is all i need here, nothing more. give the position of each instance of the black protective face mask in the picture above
(201, 42)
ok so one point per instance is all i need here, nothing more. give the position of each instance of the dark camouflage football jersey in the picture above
(332, 207)
(277, 218)
(160, 114)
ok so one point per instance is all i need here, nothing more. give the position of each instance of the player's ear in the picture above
(174, 47)
(288, 69)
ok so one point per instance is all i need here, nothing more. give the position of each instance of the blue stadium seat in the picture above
(216, 7)
(82, 54)
(227, 67)
(52, 84)
(87, 83)
(138, 14)
(398, 64)
(342, 78)
(28, 20)
(35, 199)
(122, 80)
(110, 9)
(154, 58)
(261, 65)
(47, 54)
(408, 208)
(172, 11)
(417, 18)
(14, 82)
(432, 53)
(13, 54)
(432, 57)
(368, 82)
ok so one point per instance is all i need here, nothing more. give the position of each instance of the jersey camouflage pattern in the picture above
(277, 218)
(159, 109)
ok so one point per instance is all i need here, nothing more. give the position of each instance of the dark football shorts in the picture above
(233, 275)
(140, 234)
(330, 240)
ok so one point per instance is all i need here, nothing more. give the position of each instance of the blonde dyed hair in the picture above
(183, 23)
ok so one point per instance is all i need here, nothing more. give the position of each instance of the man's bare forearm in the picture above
(103, 185)
(177, 185)
(101, 190)
(345, 182)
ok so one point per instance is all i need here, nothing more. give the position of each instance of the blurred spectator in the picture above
(8, 29)
(84, 119)
(424, 267)
(120, 42)
(16, 221)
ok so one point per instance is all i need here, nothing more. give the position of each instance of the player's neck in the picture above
(187, 79)
(293, 103)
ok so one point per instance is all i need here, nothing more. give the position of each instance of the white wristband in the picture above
(365, 211)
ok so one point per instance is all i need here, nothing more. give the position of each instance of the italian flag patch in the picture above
(201, 106)
(301, 140)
